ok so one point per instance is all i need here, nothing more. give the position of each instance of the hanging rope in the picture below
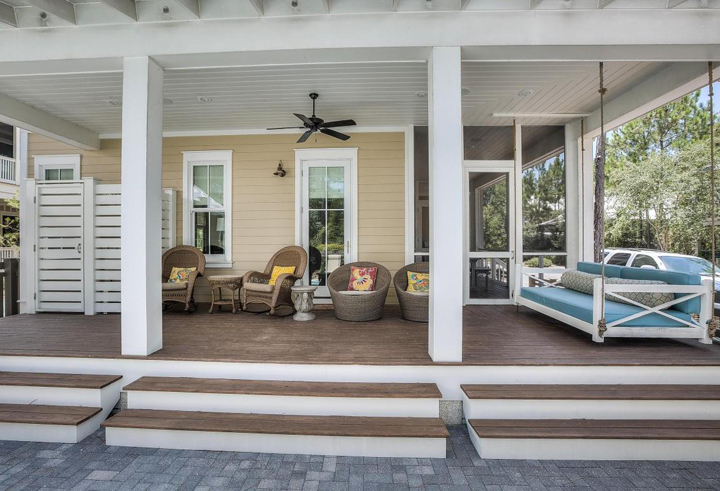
(714, 321)
(600, 201)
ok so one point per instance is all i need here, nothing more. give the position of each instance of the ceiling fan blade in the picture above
(304, 119)
(287, 128)
(305, 136)
(336, 124)
(335, 134)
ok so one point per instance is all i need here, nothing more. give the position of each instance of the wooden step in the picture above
(42, 423)
(276, 397)
(285, 388)
(595, 392)
(268, 433)
(580, 439)
(682, 402)
(62, 380)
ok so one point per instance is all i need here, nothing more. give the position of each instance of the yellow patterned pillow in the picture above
(180, 275)
(418, 282)
(278, 270)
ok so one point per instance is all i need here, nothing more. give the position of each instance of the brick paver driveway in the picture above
(93, 465)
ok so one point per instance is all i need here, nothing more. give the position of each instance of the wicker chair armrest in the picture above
(280, 281)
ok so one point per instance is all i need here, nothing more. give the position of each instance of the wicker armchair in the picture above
(363, 307)
(414, 307)
(256, 288)
(181, 257)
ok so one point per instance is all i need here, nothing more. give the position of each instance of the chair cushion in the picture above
(278, 270)
(362, 279)
(580, 306)
(259, 287)
(418, 282)
(169, 287)
(180, 275)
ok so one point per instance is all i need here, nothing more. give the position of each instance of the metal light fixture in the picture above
(43, 19)
(429, 4)
(295, 6)
(166, 13)
(280, 172)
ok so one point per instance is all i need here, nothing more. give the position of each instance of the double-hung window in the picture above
(207, 204)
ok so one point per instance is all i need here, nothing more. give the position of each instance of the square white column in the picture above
(573, 195)
(446, 205)
(141, 205)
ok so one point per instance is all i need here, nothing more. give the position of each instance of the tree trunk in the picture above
(599, 205)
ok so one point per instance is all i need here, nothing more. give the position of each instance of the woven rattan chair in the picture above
(414, 307)
(256, 287)
(363, 307)
(181, 257)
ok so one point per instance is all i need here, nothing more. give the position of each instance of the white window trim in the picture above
(217, 157)
(45, 162)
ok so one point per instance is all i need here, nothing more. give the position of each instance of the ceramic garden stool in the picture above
(229, 282)
(303, 300)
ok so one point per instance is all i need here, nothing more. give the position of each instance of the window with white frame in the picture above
(57, 167)
(207, 204)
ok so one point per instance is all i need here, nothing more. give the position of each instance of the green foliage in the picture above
(658, 179)
(544, 206)
(534, 262)
(10, 236)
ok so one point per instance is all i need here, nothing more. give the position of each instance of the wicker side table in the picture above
(229, 282)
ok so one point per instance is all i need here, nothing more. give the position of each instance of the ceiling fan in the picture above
(314, 124)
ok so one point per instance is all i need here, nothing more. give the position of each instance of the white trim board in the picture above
(261, 131)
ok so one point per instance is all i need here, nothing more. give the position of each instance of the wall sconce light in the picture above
(280, 172)
(295, 7)
(43, 19)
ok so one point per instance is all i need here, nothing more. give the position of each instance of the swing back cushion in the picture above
(691, 306)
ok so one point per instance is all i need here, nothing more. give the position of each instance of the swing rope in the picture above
(600, 198)
(714, 321)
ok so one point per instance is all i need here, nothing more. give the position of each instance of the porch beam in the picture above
(61, 10)
(258, 6)
(676, 34)
(141, 207)
(669, 84)
(7, 15)
(125, 7)
(446, 204)
(21, 115)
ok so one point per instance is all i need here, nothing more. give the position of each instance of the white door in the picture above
(59, 247)
(489, 231)
(326, 219)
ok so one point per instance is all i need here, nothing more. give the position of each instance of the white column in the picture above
(446, 205)
(27, 225)
(573, 195)
(141, 202)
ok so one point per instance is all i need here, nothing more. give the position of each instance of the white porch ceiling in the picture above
(374, 94)
(27, 13)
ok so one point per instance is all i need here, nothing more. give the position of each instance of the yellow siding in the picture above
(263, 204)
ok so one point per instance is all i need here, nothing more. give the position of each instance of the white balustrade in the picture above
(8, 170)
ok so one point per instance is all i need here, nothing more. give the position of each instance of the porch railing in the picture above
(9, 252)
(8, 170)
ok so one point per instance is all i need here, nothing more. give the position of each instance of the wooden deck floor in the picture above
(493, 335)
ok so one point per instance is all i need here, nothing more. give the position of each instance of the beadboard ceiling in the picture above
(374, 94)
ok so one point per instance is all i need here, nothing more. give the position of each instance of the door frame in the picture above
(349, 156)
(490, 166)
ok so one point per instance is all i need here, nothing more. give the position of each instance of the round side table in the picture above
(229, 282)
(302, 297)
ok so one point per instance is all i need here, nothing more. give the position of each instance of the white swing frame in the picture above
(694, 330)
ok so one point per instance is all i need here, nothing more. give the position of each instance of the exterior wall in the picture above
(263, 204)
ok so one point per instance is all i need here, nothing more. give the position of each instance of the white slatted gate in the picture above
(77, 246)
(59, 247)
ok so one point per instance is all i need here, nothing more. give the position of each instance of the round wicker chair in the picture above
(414, 307)
(358, 308)
(181, 257)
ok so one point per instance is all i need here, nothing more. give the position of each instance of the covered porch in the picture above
(493, 335)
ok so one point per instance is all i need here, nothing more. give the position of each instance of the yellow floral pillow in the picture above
(278, 270)
(180, 275)
(418, 282)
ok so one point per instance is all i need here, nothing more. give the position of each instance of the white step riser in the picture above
(587, 449)
(590, 409)
(299, 406)
(52, 396)
(291, 444)
(21, 432)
